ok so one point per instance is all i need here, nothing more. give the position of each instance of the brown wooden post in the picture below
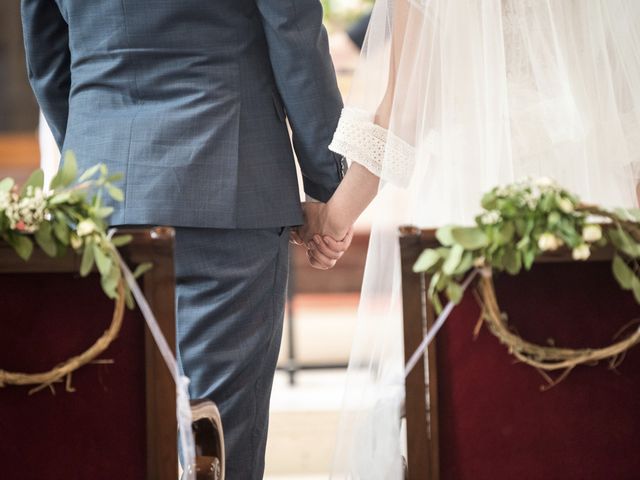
(156, 245)
(418, 443)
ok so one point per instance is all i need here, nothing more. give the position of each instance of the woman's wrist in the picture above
(336, 223)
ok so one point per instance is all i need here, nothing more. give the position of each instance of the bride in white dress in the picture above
(451, 98)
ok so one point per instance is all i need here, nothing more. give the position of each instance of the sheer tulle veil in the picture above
(454, 97)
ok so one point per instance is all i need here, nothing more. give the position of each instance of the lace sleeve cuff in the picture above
(384, 154)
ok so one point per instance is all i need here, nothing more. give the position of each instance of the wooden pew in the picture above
(118, 418)
(482, 416)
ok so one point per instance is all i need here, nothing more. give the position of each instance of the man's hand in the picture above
(325, 244)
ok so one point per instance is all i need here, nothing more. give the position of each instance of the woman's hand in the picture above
(320, 224)
(325, 251)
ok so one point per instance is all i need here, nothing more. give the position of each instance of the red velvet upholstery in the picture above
(496, 424)
(96, 432)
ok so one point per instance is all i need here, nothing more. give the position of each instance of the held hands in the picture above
(323, 236)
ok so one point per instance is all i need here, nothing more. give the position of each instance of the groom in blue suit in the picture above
(190, 100)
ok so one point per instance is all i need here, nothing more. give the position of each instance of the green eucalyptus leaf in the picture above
(427, 260)
(548, 202)
(628, 214)
(505, 233)
(521, 226)
(530, 226)
(523, 243)
(109, 282)
(465, 264)
(443, 281)
(61, 250)
(635, 287)
(59, 198)
(6, 184)
(437, 304)
(90, 172)
(86, 264)
(121, 240)
(453, 260)
(624, 242)
(622, 272)
(496, 260)
(528, 257)
(472, 238)
(142, 269)
(103, 262)
(554, 218)
(67, 173)
(435, 279)
(116, 177)
(454, 292)
(44, 238)
(22, 245)
(97, 199)
(104, 212)
(512, 261)
(489, 200)
(131, 304)
(444, 236)
(115, 193)
(61, 231)
(36, 180)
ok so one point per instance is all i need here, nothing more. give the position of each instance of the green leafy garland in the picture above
(69, 215)
(522, 221)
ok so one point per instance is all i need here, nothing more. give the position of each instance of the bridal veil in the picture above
(454, 97)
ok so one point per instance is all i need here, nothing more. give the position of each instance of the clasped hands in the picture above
(323, 235)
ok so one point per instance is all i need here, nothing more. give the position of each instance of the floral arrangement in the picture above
(522, 221)
(69, 215)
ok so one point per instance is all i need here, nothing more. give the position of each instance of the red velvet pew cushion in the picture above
(95, 432)
(496, 424)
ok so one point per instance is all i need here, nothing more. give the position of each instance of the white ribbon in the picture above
(444, 315)
(183, 406)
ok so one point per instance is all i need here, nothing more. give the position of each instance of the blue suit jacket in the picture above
(189, 99)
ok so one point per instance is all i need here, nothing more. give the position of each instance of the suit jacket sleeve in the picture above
(46, 41)
(304, 73)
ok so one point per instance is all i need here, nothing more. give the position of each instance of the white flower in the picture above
(4, 200)
(479, 262)
(27, 213)
(591, 233)
(534, 194)
(549, 242)
(86, 227)
(581, 252)
(565, 204)
(76, 242)
(491, 218)
(544, 182)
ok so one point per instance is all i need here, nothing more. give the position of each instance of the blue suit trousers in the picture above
(231, 292)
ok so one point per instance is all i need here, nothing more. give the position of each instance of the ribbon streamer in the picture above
(444, 315)
(183, 406)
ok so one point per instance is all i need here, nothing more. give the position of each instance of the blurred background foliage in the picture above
(340, 13)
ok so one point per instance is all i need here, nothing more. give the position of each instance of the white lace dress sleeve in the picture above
(384, 154)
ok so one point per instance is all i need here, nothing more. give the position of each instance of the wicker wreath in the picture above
(545, 358)
(66, 369)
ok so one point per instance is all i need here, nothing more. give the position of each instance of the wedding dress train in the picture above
(454, 97)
